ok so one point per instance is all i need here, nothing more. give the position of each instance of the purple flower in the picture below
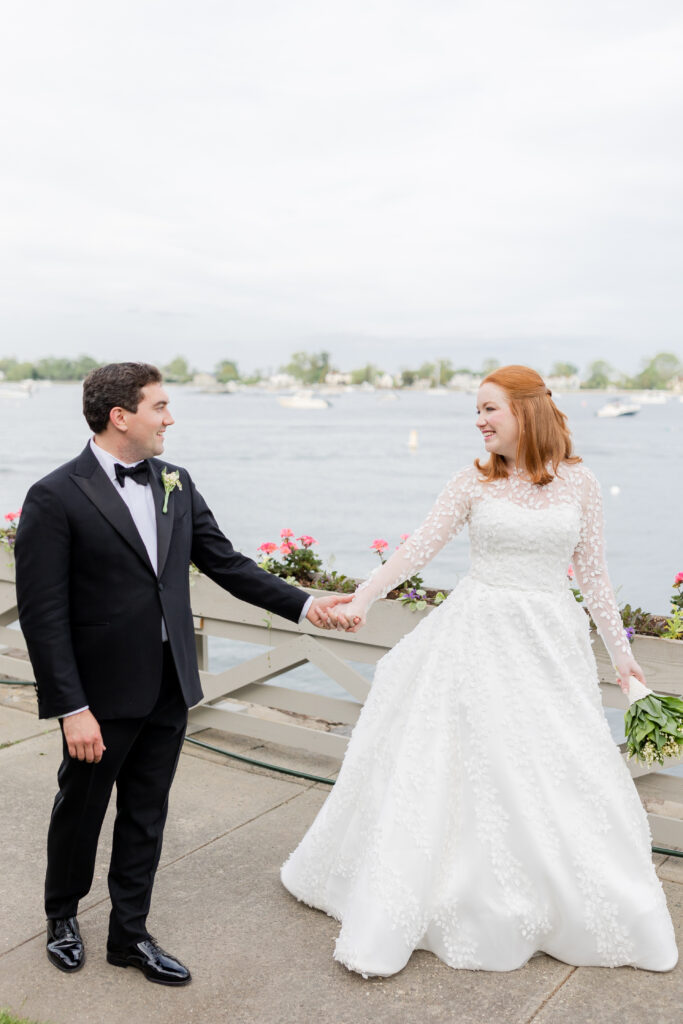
(630, 633)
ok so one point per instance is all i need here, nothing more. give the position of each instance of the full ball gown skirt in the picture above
(483, 810)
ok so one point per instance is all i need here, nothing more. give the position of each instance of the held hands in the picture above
(319, 612)
(83, 737)
(350, 618)
(325, 614)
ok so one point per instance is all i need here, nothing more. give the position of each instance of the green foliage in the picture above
(50, 368)
(226, 371)
(300, 564)
(563, 370)
(65, 369)
(366, 374)
(416, 599)
(254, 378)
(674, 626)
(658, 372)
(8, 534)
(426, 371)
(334, 581)
(438, 372)
(15, 371)
(309, 367)
(599, 376)
(640, 621)
(444, 371)
(8, 1018)
(178, 371)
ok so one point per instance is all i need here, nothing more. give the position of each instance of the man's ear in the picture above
(117, 417)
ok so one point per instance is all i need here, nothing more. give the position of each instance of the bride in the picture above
(483, 811)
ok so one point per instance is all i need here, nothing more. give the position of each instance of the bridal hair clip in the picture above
(653, 725)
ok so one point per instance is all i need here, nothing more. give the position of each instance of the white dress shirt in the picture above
(140, 501)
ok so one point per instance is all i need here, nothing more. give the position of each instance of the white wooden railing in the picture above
(243, 700)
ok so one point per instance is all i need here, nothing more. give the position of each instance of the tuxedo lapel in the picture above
(164, 519)
(96, 486)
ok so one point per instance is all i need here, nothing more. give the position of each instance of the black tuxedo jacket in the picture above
(90, 603)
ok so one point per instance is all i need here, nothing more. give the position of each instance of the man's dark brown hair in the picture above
(117, 384)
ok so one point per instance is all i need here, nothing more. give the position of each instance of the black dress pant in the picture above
(141, 759)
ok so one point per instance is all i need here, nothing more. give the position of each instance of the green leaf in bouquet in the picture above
(653, 705)
(642, 731)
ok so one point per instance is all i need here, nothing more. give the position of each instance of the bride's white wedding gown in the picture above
(483, 810)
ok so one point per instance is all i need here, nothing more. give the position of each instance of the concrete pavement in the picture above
(257, 956)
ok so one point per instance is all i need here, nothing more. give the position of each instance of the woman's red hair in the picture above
(544, 436)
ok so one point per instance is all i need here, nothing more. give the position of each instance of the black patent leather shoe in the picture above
(64, 944)
(152, 960)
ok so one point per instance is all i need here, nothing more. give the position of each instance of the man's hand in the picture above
(83, 737)
(351, 618)
(318, 612)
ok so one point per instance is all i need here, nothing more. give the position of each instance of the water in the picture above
(347, 476)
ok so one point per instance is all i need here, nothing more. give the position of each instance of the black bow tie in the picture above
(139, 473)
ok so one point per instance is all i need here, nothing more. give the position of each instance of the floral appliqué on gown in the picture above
(483, 810)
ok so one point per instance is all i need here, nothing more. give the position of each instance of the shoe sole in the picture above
(56, 962)
(116, 962)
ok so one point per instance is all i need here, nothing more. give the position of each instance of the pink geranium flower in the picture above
(307, 541)
(379, 545)
(287, 547)
(286, 533)
(679, 579)
(11, 516)
(268, 548)
(404, 536)
(570, 572)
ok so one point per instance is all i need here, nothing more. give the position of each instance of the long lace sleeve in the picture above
(446, 518)
(591, 574)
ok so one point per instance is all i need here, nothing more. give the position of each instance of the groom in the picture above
(102, 566)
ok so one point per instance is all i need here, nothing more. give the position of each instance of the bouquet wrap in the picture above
(636, 690)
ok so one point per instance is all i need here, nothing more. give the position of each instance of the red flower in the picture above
(268, 548)
(11, 516)
(679, 579)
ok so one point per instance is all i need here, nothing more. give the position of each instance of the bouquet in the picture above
(654, 725)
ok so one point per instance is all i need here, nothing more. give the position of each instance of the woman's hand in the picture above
(349, 617)
(319, 614)
(626, 667)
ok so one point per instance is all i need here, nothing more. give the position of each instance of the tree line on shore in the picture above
(311, 368)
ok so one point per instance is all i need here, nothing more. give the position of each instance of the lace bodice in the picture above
(523, 537)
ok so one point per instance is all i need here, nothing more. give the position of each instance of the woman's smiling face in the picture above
(497, 422)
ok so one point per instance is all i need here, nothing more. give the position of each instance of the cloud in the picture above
(278, 171)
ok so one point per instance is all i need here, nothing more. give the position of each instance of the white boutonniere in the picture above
(170, 482)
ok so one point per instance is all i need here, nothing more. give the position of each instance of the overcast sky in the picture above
(386, 179)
